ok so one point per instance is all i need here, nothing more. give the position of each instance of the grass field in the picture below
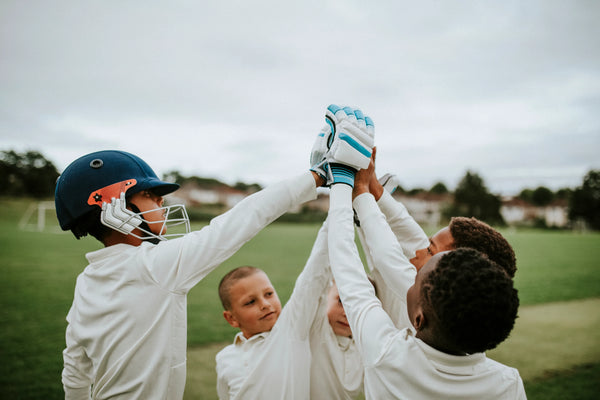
(555, 344)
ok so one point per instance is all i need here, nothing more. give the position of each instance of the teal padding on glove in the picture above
(343, 174)
(357, 146)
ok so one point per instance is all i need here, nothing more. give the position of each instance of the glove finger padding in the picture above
(351, 145)
(343, 145)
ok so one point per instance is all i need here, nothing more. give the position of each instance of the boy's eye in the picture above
(429, 251)
(269, 294)
(249, 302)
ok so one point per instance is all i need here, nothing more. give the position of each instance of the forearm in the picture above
(383, 247)
(408, 232)
(200, 252)
(310, 286)
(369, 323)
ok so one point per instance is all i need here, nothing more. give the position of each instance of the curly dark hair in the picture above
(472, 299)
(475, 234)
(89, 223)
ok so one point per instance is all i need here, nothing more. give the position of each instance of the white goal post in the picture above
(34, 219)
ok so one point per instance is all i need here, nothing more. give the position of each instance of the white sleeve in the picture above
(409, 234)
(222, 388)
(391, 270)
(370, 324)
(180, 264)
(520, 389)
(302, 306)
(77, 369)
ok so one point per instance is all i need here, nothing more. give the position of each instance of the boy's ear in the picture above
(420, 320)
(230, 319)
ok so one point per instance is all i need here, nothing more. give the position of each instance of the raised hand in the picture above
(343, 146)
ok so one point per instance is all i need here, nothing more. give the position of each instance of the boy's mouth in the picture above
(267, 315)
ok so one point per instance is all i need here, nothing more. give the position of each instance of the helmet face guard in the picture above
(102, 179)
(115, 215)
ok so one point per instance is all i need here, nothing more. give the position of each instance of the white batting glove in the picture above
(350, 144)
(389, 182)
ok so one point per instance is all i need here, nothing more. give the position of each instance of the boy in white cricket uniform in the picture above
(414, 244)
(127, 328)
(336, 367)
(270, 357)
(429, 360)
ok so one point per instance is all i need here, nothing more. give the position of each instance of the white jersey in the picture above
(336, 368)
(275, 365)
(127, 327)
(398, 365)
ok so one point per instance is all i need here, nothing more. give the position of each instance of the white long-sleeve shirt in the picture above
(387, 257)
(127, 327)
(397, 364)
(276, 365)
(336, 368)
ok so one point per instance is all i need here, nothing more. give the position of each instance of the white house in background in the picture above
(190, 194)
(425, 208)
(516, 211)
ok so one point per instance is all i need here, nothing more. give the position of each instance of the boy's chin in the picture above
(342, 331)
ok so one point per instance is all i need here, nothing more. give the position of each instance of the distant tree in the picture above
(563, 193)
(26, 174)
(415, 191)
(472, 199)
(439, 188)
(542, 196)
(245, 187)
(177, 177)
(585, 200)
(526, 195)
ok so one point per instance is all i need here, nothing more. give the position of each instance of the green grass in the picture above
(579, 383)
(556, 266)
(38, 273)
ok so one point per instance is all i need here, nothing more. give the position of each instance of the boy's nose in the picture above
(264, 304)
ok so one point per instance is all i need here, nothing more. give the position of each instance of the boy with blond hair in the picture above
(270, 357)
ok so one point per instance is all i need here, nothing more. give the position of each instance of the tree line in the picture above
(30, 174)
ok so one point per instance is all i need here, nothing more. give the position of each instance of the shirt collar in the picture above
(451, 364)
(240, 339)
(343, 341)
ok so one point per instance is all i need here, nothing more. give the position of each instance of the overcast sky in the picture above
(236, 90)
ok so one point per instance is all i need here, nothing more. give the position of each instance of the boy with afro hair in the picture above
(460, 304)
(411, 241)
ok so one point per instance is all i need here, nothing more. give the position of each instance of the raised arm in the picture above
(302, 306)
(390, 268)
(183, 262)
(370, 324)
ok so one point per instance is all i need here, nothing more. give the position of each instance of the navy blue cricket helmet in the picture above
(96, 177)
